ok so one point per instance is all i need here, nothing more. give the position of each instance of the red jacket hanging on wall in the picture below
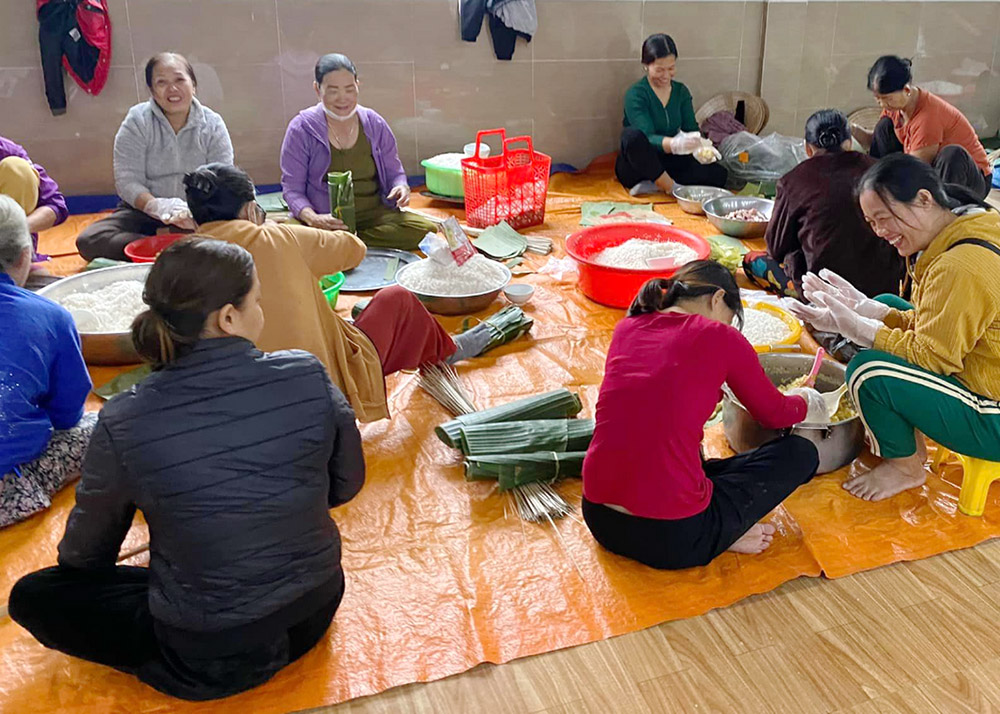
(75, 34)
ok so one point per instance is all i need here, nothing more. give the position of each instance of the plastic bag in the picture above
(752, 158)
(561, 269)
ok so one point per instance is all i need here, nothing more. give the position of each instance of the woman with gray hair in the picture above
(43, 383)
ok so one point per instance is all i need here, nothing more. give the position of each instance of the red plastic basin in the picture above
(617, 287)
(145, 250)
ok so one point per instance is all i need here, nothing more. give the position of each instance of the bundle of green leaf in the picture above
(559, 404)
(596, 213)
(514, 470)
(520, 437)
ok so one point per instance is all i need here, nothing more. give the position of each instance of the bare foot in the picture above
(754, 540)
(888, 479)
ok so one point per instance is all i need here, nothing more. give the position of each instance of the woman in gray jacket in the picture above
(159, 141)
(235, 457)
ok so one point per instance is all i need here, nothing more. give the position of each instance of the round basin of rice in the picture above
(455, 290)
(103, 304)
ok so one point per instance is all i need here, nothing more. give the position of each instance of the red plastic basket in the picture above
(510, 187)
(617, 287)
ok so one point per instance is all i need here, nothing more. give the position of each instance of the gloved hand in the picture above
(857, 328)
(815, 405)
(685, 143)
(706, 153)
(816, 315)
(172, 211)
(830, 283)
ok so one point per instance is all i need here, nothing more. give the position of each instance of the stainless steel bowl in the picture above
(838, 444)
(454, 304)
(691, 198)
(717, 208)
(101, 348)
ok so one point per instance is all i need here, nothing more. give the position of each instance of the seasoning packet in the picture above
(458, 242)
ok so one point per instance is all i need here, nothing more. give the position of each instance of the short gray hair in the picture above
(14, 235)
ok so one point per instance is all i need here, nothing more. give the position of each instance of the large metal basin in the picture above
(838, 444)
(102, 348)
(717, 209)
(454, 304)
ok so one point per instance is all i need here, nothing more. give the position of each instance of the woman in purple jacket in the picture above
(340, 135)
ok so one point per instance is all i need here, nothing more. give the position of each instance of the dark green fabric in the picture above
(895, 302)
(360, 162)
(896, 397)
(644, 111)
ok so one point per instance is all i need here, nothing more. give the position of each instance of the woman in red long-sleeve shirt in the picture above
(647, 493)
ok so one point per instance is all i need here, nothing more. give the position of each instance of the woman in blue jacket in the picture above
(235, 457)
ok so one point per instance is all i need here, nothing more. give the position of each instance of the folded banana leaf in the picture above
(559, 404)
(513, 470)
(520, 437)
(124, 381)
(507, 325)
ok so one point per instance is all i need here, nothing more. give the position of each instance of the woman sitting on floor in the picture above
(234, 457)
(935, 366)
(394, 331)
(43, 383)
(921, 124)
(661, 132)
(159, 141)
(338, 134)
(817, 224)
(647, 493)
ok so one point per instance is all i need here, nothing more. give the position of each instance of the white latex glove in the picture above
(706, 153)
(830, 283)
(815, 405)
(401, 195)
(172, 211)
(685, 143)
(816, 315)
(857, 328)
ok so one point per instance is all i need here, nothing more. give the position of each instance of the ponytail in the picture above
(696, 279)
(189, 281)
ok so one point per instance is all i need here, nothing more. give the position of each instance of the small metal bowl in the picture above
(691, 198)
(454, 304)
(101, 348)
(718, 208)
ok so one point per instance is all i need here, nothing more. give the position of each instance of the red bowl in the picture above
(145, 250)
(617, 287)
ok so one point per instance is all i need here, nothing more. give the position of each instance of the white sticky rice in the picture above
(108, 309)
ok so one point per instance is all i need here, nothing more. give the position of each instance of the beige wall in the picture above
(254, 61)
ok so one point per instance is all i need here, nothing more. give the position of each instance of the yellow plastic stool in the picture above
(977, 475)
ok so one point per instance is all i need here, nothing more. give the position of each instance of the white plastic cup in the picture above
(470, 150)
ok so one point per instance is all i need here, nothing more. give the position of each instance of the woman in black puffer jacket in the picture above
(234, 456)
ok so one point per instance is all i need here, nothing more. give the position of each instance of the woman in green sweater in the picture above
(661, 137)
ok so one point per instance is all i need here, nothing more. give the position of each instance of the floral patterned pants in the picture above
(31, 492)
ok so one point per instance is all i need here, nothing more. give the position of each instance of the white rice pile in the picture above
(762, 328)
(108, 309)
(635, 252)
(477, 275)
(448, 161)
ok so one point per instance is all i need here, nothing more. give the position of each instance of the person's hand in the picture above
(706, 153)
(324, 221)
(685, 143)
(172, 211)
(816, 315)
(829, 283)
(816, 412)
(857, 328)
(401, 195)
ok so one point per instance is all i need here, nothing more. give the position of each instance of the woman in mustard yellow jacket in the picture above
(935, 365)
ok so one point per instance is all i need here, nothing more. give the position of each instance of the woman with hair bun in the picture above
(647, 494)
(817, 223)
(921, 124)
(234, 456)
(394, 331)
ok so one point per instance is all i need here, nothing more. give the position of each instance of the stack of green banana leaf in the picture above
(531, 440)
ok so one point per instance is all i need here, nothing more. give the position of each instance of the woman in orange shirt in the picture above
(921, 124)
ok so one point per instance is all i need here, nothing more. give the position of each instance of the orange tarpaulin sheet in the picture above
(441, 578)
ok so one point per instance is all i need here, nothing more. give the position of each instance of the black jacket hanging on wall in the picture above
(508, 20)
(75, 34)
